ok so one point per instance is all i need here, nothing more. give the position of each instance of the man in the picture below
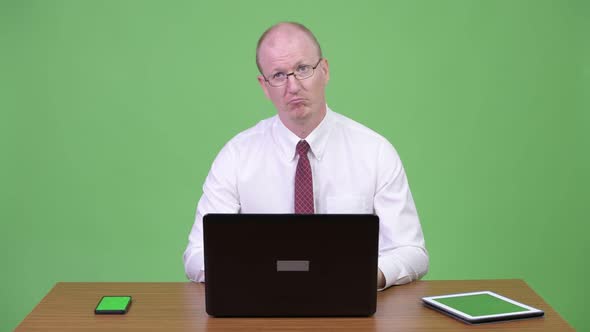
(309, 159)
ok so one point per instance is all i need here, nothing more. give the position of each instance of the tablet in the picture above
(480, 307)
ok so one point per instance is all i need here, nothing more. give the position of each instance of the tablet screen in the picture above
(480, 304)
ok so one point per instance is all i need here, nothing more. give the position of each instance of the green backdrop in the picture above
(112, 112)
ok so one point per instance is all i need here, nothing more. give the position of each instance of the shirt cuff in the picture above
(391, 272)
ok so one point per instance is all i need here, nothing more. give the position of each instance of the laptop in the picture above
(259, 265)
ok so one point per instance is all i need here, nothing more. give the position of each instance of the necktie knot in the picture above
(302, 148)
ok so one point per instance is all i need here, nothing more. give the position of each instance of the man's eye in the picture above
(303, 68)
(278, 76)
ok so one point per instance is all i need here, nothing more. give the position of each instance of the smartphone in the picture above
(113, 305)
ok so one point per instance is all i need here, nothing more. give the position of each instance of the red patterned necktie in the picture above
(303, 181)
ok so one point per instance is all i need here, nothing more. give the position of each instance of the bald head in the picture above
(284, 29)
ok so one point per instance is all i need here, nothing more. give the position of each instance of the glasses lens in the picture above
(277, 81)
(304, 71)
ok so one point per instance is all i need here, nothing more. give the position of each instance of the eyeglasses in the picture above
(302, 72)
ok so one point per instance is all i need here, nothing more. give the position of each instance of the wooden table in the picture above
(181, 307)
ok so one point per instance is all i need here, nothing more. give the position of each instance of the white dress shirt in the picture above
(355, 170)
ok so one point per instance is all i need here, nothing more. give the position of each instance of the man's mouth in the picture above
(296, 101)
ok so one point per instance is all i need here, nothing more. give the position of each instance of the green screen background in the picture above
(112, 112)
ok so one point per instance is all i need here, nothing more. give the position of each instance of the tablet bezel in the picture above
(432, 302)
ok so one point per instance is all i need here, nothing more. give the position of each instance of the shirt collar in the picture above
(317, 139)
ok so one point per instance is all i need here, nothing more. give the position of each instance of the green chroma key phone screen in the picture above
(113, 303)
(480, 305)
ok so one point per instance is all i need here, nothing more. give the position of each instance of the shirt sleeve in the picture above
(220, 195)
(402, 253)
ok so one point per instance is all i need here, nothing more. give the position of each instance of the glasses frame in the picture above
(294, 75)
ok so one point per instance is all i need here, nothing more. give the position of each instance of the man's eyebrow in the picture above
(277, 69)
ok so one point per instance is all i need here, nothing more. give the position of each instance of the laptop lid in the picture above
(290, 265)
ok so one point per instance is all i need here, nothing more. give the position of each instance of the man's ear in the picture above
(263, 85)
(326, 69)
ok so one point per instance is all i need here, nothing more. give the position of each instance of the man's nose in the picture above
(293, 84)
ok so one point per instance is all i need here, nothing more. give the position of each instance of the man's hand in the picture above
(380, 279)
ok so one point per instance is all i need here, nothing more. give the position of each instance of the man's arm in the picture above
(219, 196)
(402, 253)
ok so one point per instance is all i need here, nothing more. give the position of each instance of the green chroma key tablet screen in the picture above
(480, 305)
(113, 305)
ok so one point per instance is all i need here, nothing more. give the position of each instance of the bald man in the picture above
(307, 147)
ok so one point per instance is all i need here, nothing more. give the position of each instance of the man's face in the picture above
(298, 100)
